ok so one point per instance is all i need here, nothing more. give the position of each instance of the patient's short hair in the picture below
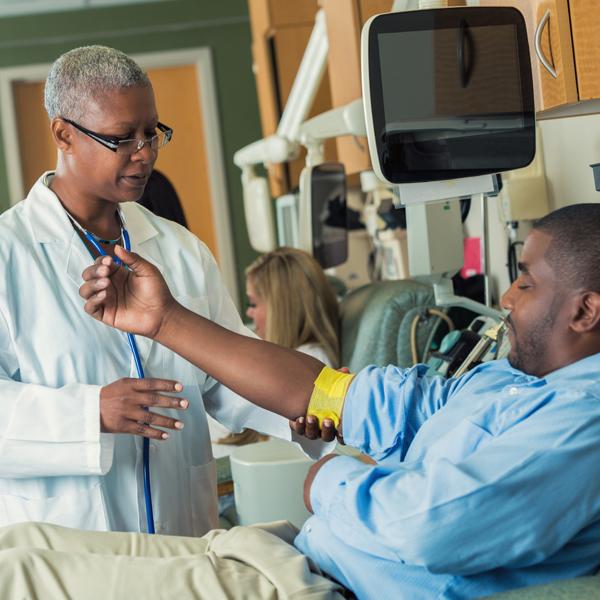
(574, 252)
(82, 74)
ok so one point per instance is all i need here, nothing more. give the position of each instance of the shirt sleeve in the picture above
(48, 431)
(510, 504)
(385, 407)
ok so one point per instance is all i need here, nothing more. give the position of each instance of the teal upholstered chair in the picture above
(376, 321)
(581, 588)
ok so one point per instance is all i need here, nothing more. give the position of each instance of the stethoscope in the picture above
(95, 242)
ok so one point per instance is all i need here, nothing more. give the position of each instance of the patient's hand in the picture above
(309, 428)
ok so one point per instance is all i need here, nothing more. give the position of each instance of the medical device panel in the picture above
(448, 93)
(323, 214)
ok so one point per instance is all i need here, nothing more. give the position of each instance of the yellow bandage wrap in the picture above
(329, 393)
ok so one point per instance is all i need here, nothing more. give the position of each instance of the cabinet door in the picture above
(280, 32)
(552, 65)
(343, 33)
(585, 27)
(345, 19)
(289, 44)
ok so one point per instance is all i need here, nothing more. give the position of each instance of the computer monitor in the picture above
(448, 93)
(323, 215)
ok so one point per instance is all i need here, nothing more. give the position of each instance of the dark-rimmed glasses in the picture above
(131, 146)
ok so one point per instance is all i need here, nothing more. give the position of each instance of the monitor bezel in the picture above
(339, 170)
(424, 20)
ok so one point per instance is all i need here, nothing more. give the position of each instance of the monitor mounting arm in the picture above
(283, 145)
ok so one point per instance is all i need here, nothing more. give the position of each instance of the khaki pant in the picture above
(49, 562)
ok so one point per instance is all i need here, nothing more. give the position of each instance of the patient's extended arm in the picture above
(138, 300)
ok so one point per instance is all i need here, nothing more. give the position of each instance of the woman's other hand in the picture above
(125, 404)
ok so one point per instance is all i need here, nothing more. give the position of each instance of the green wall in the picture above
(150, 27)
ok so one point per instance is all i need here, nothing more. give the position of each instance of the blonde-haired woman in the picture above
(292, 303)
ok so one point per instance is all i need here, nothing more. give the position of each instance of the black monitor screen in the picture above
(329, 217)
(451, 93)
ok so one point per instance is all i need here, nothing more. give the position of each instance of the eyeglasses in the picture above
(130, 146)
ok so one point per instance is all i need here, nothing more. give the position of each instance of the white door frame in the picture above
(202, 59)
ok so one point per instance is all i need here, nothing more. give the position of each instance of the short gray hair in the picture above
(82, 74)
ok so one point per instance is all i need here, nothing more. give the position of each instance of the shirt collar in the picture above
(590, 365)
(50, 223)
(135, 219)
(585, 366)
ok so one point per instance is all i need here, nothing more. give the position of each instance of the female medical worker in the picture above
(73, 413)
(292, 304)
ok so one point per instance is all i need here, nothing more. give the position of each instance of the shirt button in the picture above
(308, 529)
(513, 391)
(153, 447)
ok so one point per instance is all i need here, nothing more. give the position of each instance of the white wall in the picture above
(570, 145)
(497, 244)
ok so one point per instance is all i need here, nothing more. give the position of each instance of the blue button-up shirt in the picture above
(484, 483)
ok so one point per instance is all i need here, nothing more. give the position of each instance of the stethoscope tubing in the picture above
(140, 372)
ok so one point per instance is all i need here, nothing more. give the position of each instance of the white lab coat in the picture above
(55, 464)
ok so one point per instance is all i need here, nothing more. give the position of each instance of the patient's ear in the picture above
(587, 313)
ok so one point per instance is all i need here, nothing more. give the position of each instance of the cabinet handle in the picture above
(465, 46)
(538, 44)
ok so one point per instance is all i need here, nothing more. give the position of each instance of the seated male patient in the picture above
(484, 483)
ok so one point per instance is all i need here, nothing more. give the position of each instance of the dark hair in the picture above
(574, 252)
(161, 198)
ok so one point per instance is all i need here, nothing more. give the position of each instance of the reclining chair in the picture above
(376, 323)
(580, 588)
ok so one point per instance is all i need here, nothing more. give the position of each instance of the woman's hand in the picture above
(124, 407)
(134, 299)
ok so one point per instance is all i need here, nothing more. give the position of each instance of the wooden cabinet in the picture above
(564, 42)
(585, 29)
(280, 32)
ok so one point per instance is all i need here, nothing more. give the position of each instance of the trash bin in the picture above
(268, 480)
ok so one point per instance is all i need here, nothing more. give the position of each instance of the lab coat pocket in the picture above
(79, 507)
(203, 497)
